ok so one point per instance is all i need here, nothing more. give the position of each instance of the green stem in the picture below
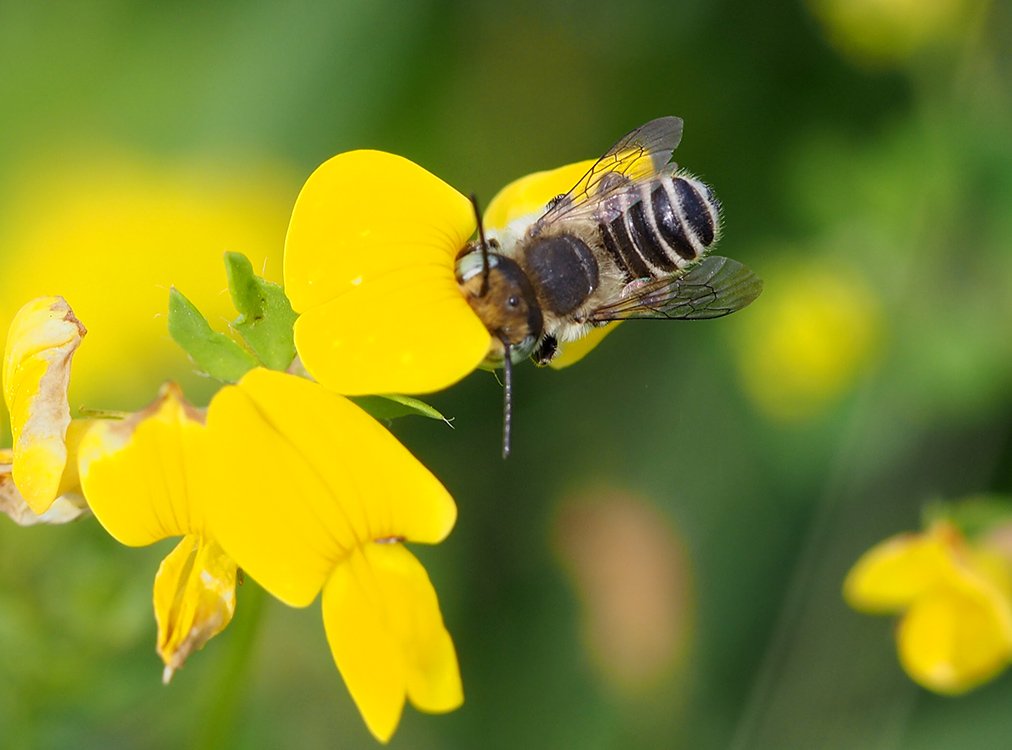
(228, 690)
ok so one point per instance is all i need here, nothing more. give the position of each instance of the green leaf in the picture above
(213, 352)
(265, 315)
(392, 407)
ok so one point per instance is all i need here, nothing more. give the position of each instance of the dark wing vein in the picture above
(610, 174)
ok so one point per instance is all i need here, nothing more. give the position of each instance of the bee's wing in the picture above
(641, 154)
(712, 288)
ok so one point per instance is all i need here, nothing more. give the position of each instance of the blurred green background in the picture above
(659, 563)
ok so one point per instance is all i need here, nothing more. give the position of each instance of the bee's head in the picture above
(502, 296)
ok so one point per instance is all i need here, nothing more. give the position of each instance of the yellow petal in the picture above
(369, 262)
(64, 509)
(68, 506)
(303, 476)
(387, 637)
(956, 638)
(991, 566)
(410, 331)
(531, 194)
(36, 371)
(573, 351)
(362, 214)
(892, 574)
(70, 482)
(141, 474)
(194, 598)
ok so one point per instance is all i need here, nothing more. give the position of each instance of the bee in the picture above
(629, 240)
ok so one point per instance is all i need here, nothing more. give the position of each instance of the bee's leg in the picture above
(555, 201)
(630, 289)
(545, 351)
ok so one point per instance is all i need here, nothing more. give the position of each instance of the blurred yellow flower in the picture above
(878, 32)
(36, 472)
(112, 231)
(143, 479)
(956, 603)
(808, 343)
(375, 284)
(309, 493)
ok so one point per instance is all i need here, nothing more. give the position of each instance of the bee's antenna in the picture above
(507, 401)
(484, 246)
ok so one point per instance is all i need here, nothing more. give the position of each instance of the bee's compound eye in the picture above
(513, 301)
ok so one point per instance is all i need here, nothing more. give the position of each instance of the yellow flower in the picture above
(370, 266)
(143, 477)
(309, 493)
(956, 598)
(880, 32)
(36, 472)
(809, 343)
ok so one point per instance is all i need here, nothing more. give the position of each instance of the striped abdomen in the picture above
(666, 224)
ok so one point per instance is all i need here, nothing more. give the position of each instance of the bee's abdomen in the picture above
(667, 224)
